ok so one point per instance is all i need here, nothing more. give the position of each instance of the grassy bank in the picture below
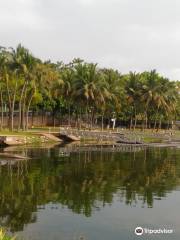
(27, 137)
(40, 135)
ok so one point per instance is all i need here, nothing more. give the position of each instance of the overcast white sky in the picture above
(124, 34)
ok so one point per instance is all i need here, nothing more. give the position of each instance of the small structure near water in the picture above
(12, 140)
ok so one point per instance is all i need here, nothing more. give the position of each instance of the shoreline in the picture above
(125, 137)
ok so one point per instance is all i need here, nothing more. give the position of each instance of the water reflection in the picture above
(84, 181)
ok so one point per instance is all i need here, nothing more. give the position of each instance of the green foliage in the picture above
(83, 88)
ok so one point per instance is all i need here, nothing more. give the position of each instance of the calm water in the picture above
(91, 194)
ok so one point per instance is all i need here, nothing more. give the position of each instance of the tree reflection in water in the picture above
(84, 182)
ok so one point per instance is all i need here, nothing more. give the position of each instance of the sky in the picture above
(128, 35)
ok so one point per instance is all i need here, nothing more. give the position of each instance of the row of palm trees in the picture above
(152, 97)
(83, 91)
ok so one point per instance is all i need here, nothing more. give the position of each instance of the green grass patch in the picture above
(4, 236)
(152, 140)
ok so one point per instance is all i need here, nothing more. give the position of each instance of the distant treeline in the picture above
(82, 90)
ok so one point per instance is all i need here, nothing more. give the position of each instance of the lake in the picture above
(92, 193)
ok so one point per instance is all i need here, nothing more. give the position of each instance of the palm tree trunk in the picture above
(2, 111)
(135, 118)
(27, 112)
(9, 103)
(155, 122)
(146, 117)
(159, 123)
(12, 120)
(20, 107)
(32, 119)
(80, 119)
(13, 105)
(11, 115)
(91, 119)
(102, 122)
(69, 115)
(23, 110)
(131, 123)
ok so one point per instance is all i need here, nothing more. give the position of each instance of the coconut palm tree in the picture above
(133, 94)
(150, 91)
(24, 64)
(89, 87)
